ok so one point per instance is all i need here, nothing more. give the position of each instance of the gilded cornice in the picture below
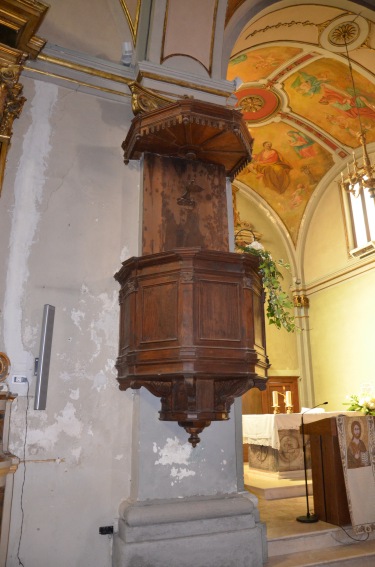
(78, 82)
(85, 69)
(82, 72)
(143, 74)
(117, 81)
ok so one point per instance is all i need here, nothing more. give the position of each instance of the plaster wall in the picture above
(95, 27)
(342, 320)
(341, 307)
(68, 217)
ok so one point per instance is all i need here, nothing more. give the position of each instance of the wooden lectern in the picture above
(330, 501)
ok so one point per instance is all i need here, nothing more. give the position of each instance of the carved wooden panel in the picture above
(184, 205)
(159, 312)
(218, 308)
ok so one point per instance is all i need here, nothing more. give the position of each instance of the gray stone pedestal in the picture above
(211, 531)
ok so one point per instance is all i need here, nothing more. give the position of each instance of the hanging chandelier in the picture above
(359, 177)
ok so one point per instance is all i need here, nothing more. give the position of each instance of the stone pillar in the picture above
(186, 507)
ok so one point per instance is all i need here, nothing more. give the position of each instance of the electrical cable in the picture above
(353, 538)
(24, 476)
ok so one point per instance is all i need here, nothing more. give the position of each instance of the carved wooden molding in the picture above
(194, 130)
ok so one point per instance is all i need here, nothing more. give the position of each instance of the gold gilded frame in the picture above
(19, 20)
(11, 101)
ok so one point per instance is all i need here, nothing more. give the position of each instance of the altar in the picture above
(274, 443)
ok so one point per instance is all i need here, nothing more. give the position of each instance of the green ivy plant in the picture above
(279, 304)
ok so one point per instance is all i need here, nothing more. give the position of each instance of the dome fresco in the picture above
(297, 97)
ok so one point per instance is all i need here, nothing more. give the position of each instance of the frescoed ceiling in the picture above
(298, 100)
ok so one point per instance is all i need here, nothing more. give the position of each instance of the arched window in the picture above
(360, 216)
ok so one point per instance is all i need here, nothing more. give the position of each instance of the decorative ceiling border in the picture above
(320, 26)
(132, 25)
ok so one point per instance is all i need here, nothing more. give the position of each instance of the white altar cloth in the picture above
(263, 429)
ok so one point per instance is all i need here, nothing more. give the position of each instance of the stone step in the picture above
(341, 555)
(317, 539)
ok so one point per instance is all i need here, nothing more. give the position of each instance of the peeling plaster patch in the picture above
(181, 473)
(105, 326)
(119, 457)
(74, 394)
(66, 422)
(28, 194)
(100, 381)
(103, 329)
(174, 453)
(154, 447)
(224, 462)
(77, 316)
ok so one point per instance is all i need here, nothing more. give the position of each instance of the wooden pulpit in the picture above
(192, 313)
(330, 500)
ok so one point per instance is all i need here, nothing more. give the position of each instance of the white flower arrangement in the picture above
(364, 403)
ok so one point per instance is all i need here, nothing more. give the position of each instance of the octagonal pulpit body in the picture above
(192, 332)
